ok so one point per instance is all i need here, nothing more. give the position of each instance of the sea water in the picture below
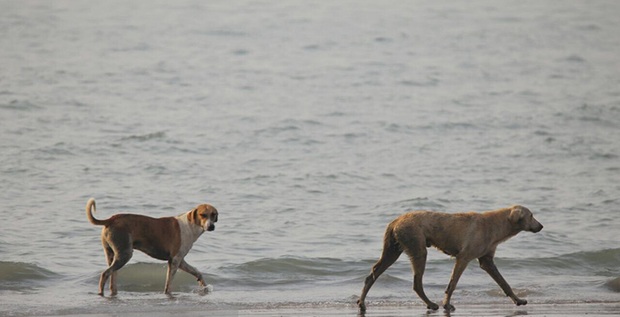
(309, 126)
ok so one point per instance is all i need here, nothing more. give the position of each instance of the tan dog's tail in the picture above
(390, 243)
(90, 205)
(391, 248)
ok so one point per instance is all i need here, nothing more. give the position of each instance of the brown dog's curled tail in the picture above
(90, 205)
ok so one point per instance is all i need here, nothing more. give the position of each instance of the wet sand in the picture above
(586, 309)
(557, 309)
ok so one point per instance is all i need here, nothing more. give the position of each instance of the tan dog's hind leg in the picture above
(113, 288)
(386, 260)
(418, 266)
(414, 244)
(487, 264)
(459, 267)
(390, 254)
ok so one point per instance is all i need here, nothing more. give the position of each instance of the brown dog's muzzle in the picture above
(211, 227)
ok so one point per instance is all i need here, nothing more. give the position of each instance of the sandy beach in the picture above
(589, 309)
(555, 309)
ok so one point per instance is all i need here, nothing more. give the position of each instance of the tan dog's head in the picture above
(204, 216)
(523, 218)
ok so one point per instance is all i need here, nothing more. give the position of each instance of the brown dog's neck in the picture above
(189, 228)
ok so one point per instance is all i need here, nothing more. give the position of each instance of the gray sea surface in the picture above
(309, 126)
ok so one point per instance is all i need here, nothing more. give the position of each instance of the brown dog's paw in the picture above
(432, 306)
(521, 302)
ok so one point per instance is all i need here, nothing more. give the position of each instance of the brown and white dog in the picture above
(167, 238)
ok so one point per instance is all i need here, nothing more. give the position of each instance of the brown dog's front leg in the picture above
(487, 264)
(192, 270)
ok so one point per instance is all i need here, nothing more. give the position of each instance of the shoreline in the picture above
(553, 309)
(547, 309)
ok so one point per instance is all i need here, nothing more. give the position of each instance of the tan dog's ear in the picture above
(516, 213)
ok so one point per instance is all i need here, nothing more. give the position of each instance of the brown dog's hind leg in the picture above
(118, 250)
(109, 254)
(391, 252)
(173, 265)
(487, 264)
(120, 259)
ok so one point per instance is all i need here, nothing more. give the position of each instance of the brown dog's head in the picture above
(523, 218)
(204, 216)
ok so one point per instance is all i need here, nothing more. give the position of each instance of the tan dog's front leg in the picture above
(487, 264)
(173, 265)
(192, 270)
(459, 267)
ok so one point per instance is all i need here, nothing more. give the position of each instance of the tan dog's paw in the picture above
(449, 307)
(361, 305)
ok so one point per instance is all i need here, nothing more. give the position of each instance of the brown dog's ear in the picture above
(516, 213)
(193, 216)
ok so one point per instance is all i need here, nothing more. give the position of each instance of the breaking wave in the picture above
(23, 276)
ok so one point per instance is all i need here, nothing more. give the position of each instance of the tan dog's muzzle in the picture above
(536, 227)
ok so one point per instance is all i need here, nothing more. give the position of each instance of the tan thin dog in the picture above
(465, 236)
(168, 239)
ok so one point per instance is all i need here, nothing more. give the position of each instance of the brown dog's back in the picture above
(157, 237)
(149, 235)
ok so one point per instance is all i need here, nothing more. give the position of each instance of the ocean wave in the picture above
(261, 273)
(297, 265)
(289, 270)
(145, 137)
(301, 270)
(613, 284)
(150, 277)
(600, 262)
(20, 105)
(419, 203)
(22, 276)
(602, 115)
